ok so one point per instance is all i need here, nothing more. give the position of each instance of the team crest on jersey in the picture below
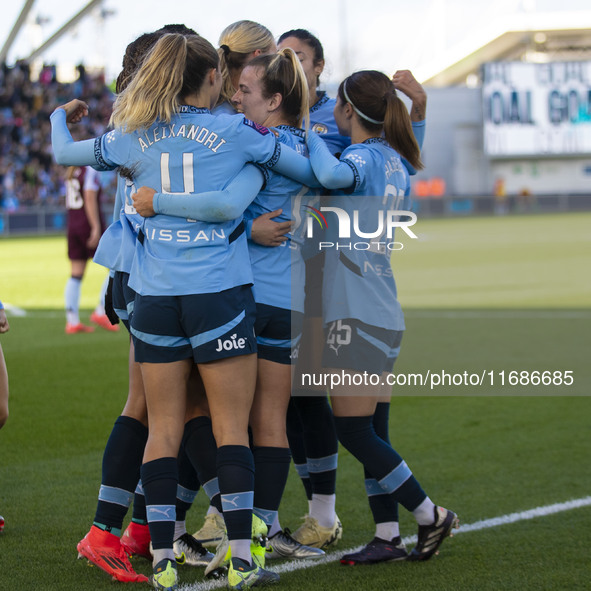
(319, 128)
(260, 128)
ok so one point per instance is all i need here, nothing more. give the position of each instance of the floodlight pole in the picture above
(60, 32)
(15, 29)
(344, 39)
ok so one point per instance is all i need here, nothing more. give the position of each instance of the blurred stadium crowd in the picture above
(28, 173)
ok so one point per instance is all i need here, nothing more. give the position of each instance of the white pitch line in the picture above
(476, 526)
(14, 310)
(523, 515)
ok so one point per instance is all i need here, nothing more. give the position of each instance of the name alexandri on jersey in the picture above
(197, 133)
(192, 132)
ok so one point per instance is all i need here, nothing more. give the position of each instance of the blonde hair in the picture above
(283, 74)
(175, 68)
(373, 97)
(237, 41)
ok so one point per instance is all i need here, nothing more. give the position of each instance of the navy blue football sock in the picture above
(236, 481)
(320, 441)
(201, 449)
(122, 459)
(139, 505)
(383, 507)
(393, 476)
(188, 484)
(160, 482)
(381, 421)
(295, 436)
(271, 471)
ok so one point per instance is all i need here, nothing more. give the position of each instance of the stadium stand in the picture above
(28, 174)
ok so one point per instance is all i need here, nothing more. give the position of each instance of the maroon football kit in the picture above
(84, 178)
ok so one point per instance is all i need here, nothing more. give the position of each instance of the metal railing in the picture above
(39, 220)
(52, 219)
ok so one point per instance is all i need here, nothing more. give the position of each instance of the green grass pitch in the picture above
(494, 294)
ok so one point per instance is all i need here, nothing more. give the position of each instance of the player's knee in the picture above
(136, 409)
(270, 436)
(227, 434)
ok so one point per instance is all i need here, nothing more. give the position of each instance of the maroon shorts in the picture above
(78, 235)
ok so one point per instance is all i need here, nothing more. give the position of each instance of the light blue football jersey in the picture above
(225, 108)
(279, 273)
(418, 129)
(197, 151)
(359, 283)
(117, 245)
(131, 224)
(322, 122)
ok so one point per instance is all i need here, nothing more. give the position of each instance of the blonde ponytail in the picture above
(153, 93)
(299, 87)
(227, 91)
(283, 74)
(236, 43)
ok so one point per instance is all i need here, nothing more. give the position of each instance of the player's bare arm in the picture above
(75, 110)
(406, 83)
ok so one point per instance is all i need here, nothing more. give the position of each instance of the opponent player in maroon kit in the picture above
(85, 227)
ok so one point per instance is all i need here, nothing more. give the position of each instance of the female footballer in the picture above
(85, 226)
(239, 43)
(312, 440)
(192, 279)
(363, 319)
(122, 456)
(272, 92)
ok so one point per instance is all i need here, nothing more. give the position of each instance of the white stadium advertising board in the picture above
(533, 109)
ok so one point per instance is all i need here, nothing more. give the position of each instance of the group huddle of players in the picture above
(220, 290)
